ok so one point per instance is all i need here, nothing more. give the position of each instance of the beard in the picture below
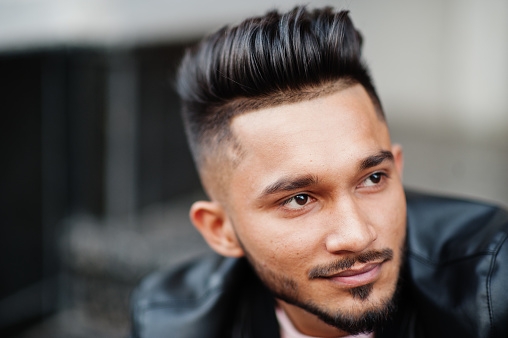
(352, 323)
(372, 317)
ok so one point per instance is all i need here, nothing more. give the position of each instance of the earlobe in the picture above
(212, 222)
(398, 158)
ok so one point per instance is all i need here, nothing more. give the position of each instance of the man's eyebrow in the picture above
(289, 184)
(375, 160)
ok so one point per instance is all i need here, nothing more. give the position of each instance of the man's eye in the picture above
(297, 201)
(374, 179)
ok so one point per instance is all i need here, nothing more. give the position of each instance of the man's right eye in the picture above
(297, 202)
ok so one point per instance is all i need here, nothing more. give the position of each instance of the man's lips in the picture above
(358, 270)
(356, 277)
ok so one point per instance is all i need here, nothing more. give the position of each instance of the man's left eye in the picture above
(373, 179)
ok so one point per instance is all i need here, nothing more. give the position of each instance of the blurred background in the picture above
(96, 179)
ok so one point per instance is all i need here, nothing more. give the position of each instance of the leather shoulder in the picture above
(186, 301)
(458, 262)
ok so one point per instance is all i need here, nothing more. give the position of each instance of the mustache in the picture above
(339, 265)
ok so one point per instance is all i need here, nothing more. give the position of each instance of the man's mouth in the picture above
(366, 274)
(353, 271)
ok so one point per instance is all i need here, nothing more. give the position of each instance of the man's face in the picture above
(317, 205)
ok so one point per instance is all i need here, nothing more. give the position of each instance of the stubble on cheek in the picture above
(280, 285)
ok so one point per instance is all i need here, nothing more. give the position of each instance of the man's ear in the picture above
(398, 157)
(212, 222)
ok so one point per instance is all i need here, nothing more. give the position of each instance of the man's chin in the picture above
(362, 292)
(365, 319)
(362, 310)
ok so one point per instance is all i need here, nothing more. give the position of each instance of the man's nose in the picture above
(349, 229)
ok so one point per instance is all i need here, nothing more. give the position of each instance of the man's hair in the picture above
(263, 62)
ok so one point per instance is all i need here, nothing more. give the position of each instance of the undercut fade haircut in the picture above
(263, 62)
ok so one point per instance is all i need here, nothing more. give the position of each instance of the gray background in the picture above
(441, 69)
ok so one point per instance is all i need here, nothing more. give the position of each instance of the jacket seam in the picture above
(179, 302)
(430, 262)
(489, 284)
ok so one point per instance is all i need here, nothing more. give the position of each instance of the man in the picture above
(307, 208)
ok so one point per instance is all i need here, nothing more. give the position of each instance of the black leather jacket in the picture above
(455, 284)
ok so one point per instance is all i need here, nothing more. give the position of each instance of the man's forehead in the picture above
(287, 135)
(334, 133)
(348, 103)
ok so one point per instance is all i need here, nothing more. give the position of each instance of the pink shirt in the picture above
(287, 330)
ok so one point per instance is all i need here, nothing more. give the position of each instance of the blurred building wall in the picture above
(440, 66)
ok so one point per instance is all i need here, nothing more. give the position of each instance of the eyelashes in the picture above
(301, 201)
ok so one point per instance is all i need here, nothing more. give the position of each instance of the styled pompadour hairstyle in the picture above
(266, 61)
